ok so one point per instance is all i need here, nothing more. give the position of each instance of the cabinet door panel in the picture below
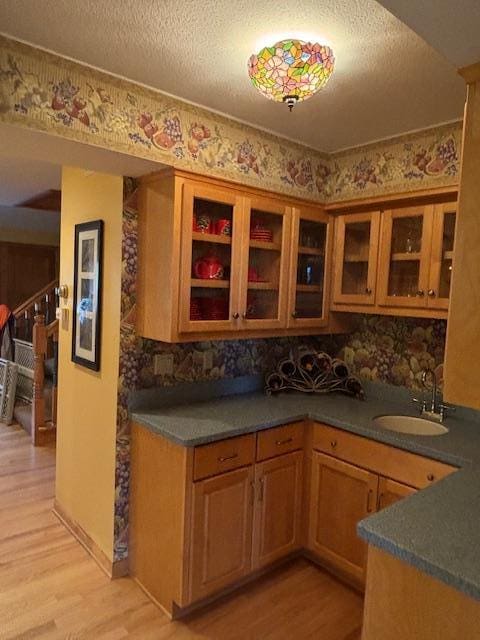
(390, 492)
(442, 255)
(341, 496)
(278, 508)
(265, 261)
(356, 254)
(210, 259)
(221, 531)
(405, 250)
(310, 265)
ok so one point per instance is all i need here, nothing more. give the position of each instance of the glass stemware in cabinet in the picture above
(405, 257)
(447, 254)
(309, 288)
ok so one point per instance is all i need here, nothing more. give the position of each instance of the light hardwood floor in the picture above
(51, 588)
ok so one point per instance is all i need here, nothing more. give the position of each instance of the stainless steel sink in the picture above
(411, 425)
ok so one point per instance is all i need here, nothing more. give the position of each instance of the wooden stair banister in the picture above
(43, 430)
(40, 302)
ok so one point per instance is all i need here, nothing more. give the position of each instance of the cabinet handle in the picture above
(286, 441)
(260, 495)
(368, 291)
(420, 293)
(333, 444)
(235, 315)
(226, 458)
(370, 493)
(430, 477)
(431, 293)
(294, 314)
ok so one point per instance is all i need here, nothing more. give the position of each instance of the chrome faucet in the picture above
(436, 411)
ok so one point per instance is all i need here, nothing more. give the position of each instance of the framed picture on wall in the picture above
(87, 294)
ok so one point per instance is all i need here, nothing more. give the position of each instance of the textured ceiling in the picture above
(387, 80)
(453, 28)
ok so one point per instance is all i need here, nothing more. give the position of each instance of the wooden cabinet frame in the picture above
(315, 215)
(367, 298)
(436, 260)
(275, 207)
(192, 190)
(383, 297)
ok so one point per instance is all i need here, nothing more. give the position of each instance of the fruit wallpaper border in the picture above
(47, 92)
(385, 349)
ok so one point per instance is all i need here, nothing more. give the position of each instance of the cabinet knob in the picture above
(333, 444)
(245, 315)
(235, 316)
(431, 293)
(420, 293)
(430, 477)
(368, 291)
(294, 314)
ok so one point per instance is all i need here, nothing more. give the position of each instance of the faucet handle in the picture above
(422, 403)
(445, 409)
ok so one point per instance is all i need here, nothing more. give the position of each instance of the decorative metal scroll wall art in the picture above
(314, 372)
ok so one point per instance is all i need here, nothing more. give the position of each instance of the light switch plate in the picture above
(163, 364)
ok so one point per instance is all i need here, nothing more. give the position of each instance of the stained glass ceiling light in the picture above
(291, 70)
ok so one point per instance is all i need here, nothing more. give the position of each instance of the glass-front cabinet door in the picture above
(405, 249)
(210, 259)
(265, 253)
(442, 255)
(309, 268)
(356, 253)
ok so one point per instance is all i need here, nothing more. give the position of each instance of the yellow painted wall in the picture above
(87, 401)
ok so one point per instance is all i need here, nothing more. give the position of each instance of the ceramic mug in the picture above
(223, 227)
(202, 223)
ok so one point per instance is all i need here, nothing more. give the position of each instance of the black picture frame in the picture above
(87, 294)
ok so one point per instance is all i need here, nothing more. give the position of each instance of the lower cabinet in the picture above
(341, 495)
(278, 508)
(221, 543)
(390, 492)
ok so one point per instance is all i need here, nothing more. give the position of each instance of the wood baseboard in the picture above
(111, 569)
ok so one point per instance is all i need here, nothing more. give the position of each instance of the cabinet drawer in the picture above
(274, 442)
(403, 466)
(225, 455)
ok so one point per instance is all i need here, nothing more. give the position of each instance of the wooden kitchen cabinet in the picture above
(441, 261)
(217, 260)
(404, 263)
(341, 495)
(390, 492)
(278, 508)
(356, 253)
(310, 268)
(221, 537)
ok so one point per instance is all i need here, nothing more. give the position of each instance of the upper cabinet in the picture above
(309, 268)
(218, 261)
(356, 251)
(395, 261)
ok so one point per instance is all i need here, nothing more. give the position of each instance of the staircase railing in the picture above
(43, 429)
(43, 302)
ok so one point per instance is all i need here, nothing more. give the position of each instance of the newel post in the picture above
(39, 352)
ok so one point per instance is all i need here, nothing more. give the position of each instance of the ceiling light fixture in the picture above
(291, 70)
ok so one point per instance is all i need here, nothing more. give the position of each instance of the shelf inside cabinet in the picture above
(311, 251)
(405, 256)
(358, 257)
(309, 288)
(210, 284)
(263, 286)
(211, 237)
(269, 246)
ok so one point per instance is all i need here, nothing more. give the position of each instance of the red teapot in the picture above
(209, 267)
